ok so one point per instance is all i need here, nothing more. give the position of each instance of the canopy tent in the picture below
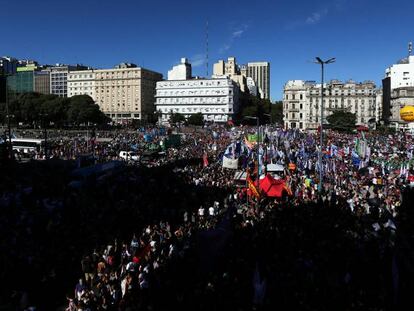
(272, 187)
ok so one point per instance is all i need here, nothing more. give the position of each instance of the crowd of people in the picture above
(177, 231)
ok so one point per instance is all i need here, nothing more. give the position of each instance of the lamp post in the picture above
(8, 115)
(322, 63)
(257, 129)
(43, 115)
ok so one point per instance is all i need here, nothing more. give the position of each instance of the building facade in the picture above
(216, 99)
(126, 93)
(260, 73)
(232, 70)
(402, 73)
(22, 81)
(399, 78)
(59, 78)
(81, 82)
(8, 65)
(181, 71)
(302, 105)
(401, 97)
(42, 81)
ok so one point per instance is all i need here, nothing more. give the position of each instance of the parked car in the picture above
(128, 156)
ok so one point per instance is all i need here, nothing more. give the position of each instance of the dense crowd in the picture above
(177, 232)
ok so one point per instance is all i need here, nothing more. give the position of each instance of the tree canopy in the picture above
(33, 108)
(252, 106)
(342, 121)
(176, 117)
(196, 119)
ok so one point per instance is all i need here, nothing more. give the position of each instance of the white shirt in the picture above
(211, 211)
(201, 212)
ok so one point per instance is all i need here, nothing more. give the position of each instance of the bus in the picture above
(27, 145)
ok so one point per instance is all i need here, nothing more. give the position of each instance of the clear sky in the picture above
(365, 36)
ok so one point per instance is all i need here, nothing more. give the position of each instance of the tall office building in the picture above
(260, 73)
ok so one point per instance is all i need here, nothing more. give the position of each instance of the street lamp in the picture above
(322, 63)
(8, 115)
(43, 115)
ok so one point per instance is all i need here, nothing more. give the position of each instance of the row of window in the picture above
(195, 100)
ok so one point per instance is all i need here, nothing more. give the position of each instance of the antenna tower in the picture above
(207, 49)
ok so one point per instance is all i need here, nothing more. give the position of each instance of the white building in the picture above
(260, 73)
(59, 78)
(216, 98)
(402, 73)
(81, 83)
(251, 85)
(181, 71)
(302, 108)
(398, 86)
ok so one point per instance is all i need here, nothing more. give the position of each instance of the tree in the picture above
(254, 106)
(82, 109)
(176, 117)
(196, 119)
(277, 113)
(342, 121)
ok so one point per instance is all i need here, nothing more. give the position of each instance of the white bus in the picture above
(27, 145)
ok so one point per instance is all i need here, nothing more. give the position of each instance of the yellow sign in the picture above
(407, 113)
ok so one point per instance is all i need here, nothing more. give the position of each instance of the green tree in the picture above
(176, 117)
(277, 113)
(82, 109)
(196, 119)
(342, 121)
(253, 106)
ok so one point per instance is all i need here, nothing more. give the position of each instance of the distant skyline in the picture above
(365, 36)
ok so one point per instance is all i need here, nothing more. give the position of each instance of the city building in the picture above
(232, 70)
(22, 81)
(8, 65)
(181, 71)
(124, 93)
(260, 73)
(215, 98)
(251, 85)
(401, 97)
(81, 82)
(302, 109)
(398, 80)
(378, 105)
(59, 78)
(42, 81)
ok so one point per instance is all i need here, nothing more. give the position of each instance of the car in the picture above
(129, 156)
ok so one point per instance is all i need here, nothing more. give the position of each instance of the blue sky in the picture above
(365, 36)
